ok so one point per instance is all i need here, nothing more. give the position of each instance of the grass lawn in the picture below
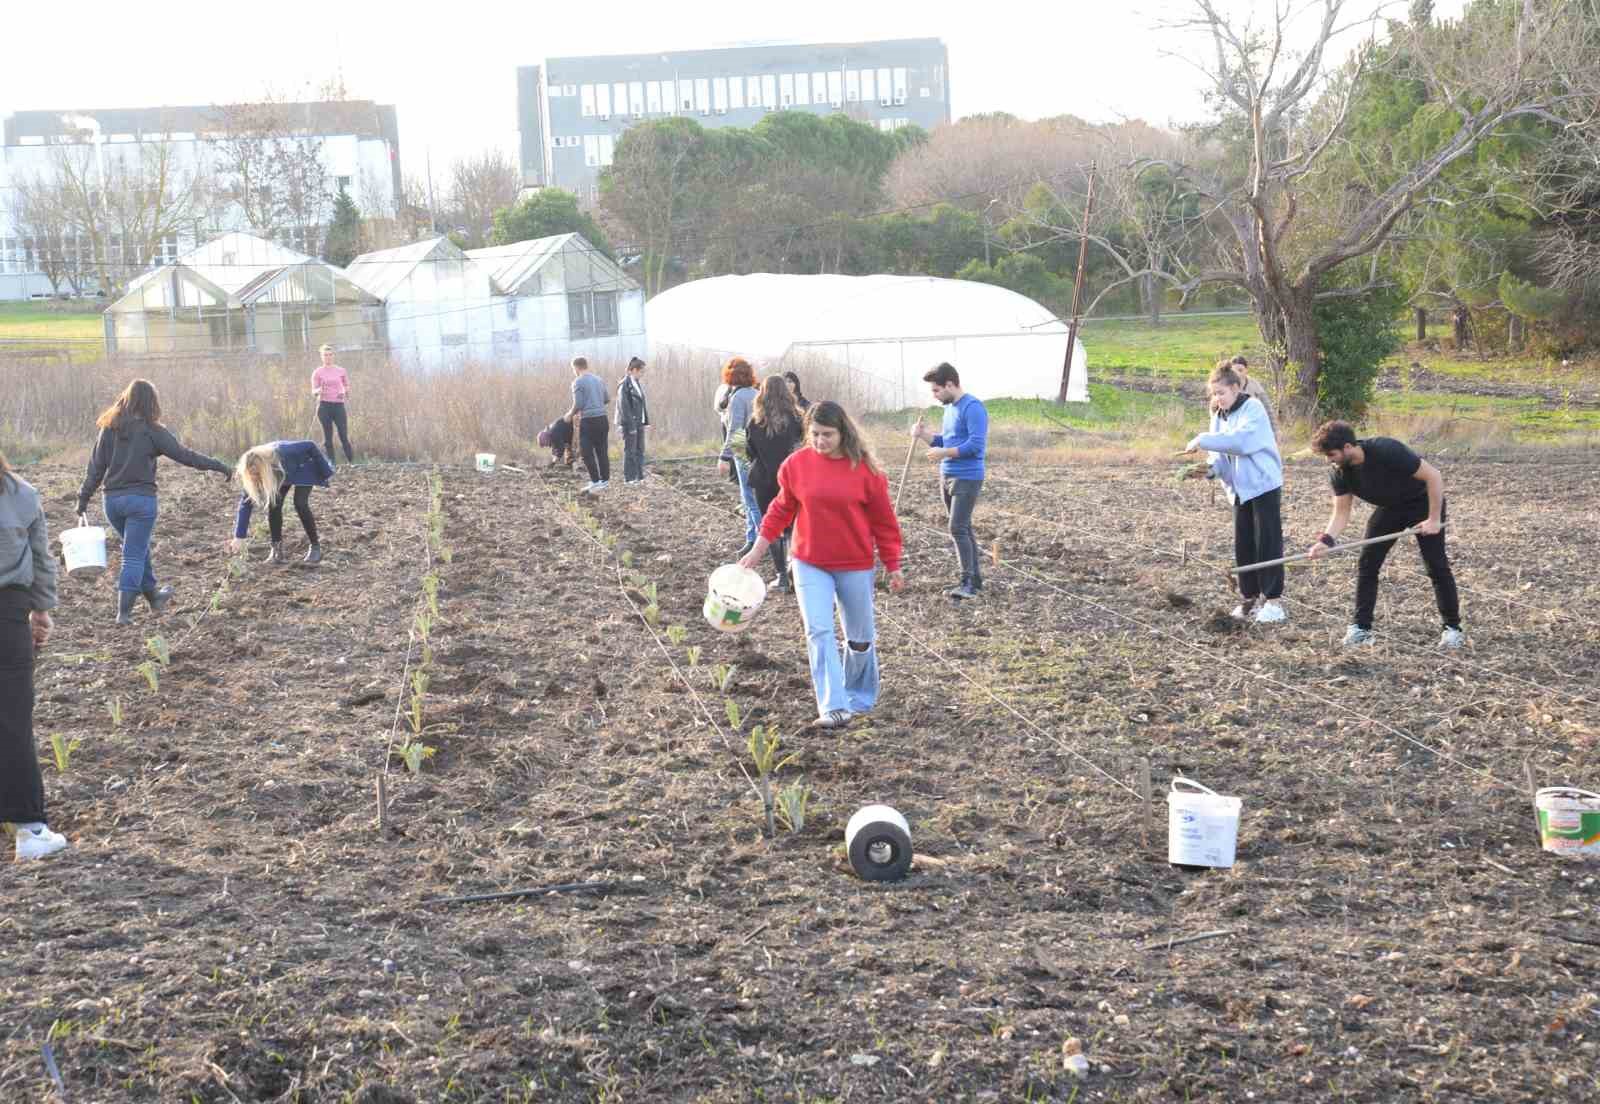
(25, 322)
(1181, 347)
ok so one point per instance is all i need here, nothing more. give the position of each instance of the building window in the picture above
(686, 94)
(602, 100)
(586, 101)
(754, 92)
(702, 95)
(835, 87)
(769, 92)
(607, 145)
(927, 92)
(802, 88)
(636, 97)
(786, 89)
(652, 97)
(736, 93)
(511, 308)
(569, 89)
(869, 86)
(719, 95)
(594, 193)
(619, 98)
(591, 151)
(899, 86)
(591, 314)
(852, 85)
(885, 88)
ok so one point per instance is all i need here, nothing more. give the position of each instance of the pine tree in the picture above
(344, 236)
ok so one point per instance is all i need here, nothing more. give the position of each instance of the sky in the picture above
(451, 68)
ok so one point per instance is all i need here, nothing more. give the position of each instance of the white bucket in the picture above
(486, 461)
(85, 550)
(733, 595)
(1202, 825)
(878, 840)
(1569, 822)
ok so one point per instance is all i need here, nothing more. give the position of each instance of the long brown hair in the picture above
(138, 400)
(830, 414)
(259, 472)
(774, 406)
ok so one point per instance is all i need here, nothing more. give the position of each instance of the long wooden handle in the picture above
(905, 471)
(1336, 548)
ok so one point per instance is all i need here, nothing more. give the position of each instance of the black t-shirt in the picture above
(1386, 477)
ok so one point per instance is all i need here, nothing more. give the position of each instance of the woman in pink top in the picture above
(331, 388)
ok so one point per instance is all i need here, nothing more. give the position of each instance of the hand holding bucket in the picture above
(84, 549)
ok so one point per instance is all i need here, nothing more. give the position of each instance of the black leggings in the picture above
(1258, 536)
(302, 507)
(332, 415)
(594, 439)
(21, 784)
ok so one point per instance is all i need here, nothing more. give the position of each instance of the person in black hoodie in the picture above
(774, 431)
(131, 440)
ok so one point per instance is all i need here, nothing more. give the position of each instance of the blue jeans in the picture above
(844, 678)
(133, 516)
(752, 509)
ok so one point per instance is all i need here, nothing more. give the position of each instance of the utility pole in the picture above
(1077, 287)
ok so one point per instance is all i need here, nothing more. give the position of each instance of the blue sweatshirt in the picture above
(966, 429)
(303, 466)
(1244, 452)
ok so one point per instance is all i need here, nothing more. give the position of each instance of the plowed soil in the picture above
(231, 924)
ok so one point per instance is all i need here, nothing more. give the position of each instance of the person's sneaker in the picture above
(965, 590)
(35, 841)
(1452, 638)
(834, 718)
(1242, 611)
(1355, 636)
(591, 487)
(314, 555)
(1270, 613)
(603, 484)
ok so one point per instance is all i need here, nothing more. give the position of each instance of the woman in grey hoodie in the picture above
(27, 594)
(741, 401)
(131, 440)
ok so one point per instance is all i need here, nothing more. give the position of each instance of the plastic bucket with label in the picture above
(1202, 825)
(1569, 822)
(84, 549)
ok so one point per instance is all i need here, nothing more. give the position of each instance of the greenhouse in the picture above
(242, 293)
(871, 337)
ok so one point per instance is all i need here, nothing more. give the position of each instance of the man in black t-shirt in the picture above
(1407, 491)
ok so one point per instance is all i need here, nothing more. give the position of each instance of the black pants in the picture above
(1392, 519)
(594, 438)
(960, 496)
(766, 494)
(632, 451)
(331, 415)
(1257, 536)
(21, 784)
(302, 507)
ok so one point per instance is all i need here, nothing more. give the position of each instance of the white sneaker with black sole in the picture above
(1241, 612)
(834, 718)
(1270, 613)
(1355, 636)
(1452, 638)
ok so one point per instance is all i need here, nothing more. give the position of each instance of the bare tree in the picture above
(480, 186)
(1284, 111)
(269, 166)
(42, 221)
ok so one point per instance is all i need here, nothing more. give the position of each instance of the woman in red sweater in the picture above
(837, 497)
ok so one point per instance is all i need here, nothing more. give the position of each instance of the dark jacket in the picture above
(631, 407)
(303, 466)
(767, 452)
(124, 459)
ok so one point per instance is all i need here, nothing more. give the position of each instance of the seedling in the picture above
(414, 753)
(763, 747)
(148, 670)
(423, 623)
(157, 647)
(430, 591)
(722, 676)
(419, 691)
(793, 802)
(694, 655)
(114, 707)
(652, 614)
(676, 633)
(63, 750)
(627, 558)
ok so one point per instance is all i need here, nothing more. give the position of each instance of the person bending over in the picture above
(267, 473)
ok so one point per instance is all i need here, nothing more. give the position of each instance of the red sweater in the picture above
(839, 513)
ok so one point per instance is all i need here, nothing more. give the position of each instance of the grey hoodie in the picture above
(125, 458)
(25, 558)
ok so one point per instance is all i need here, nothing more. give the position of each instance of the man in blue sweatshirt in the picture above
(959, 451)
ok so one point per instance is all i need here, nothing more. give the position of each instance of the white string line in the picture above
(1262, 676)
(1453, 658)
(1054, 738)
(676, 670)
(411, 641)
(1409, 574)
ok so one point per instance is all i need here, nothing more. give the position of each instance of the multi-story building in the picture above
(353, 145)
(572, 110)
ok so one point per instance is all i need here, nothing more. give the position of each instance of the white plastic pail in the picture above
(878, 840)
(85, 550)
(733, 595)
(1202, 825)
(1569, 822)
(486, 461)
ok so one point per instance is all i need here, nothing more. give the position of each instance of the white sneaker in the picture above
(1452, 638)
(834, 718)
(35, 841)
(1241, 611)
(1270, 613)
(592, 488)
(602, 485)
(1355, 636)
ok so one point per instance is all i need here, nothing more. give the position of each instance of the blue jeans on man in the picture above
(133, 516)
(843, 678)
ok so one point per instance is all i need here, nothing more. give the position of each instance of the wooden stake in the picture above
(905, 471)
(383, 804)
(1533, 797)
(1149, 805)
(994, 553)
(1184, 551)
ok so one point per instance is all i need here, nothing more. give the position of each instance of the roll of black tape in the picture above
(879, 842)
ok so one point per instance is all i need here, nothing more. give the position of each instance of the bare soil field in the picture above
(231, 924)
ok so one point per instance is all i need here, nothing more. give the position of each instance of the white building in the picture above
(356, 141)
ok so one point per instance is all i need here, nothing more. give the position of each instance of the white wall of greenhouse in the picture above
(439, 305)
(874, 336)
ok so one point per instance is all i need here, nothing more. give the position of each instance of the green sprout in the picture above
(63, 750)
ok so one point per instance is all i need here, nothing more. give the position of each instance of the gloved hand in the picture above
(226, 473)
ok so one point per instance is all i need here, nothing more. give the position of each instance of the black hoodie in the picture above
(124, 458)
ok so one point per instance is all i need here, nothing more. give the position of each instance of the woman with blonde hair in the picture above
(773, 432)
(131, 440)
(266, 473)
(837, 496)
(330, 386)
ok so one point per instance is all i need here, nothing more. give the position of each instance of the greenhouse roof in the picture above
(236, 270)
(511, 267)
(383, 270)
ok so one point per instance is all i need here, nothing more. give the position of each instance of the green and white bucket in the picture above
(1569, 822)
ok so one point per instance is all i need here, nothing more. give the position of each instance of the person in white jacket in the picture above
(1244, 455)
